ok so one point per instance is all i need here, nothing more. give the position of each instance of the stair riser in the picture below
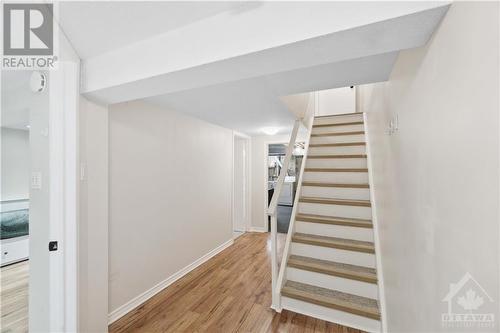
(336, 163)
(337, 177)
(331, 230)
(332, 254)
(349, 286)
(337, 139)
(338, 119)
(357, 212)
(336, 192)
(332, 315)
(337, 150)
(338, 129)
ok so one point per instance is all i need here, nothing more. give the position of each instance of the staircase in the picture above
(330, 264)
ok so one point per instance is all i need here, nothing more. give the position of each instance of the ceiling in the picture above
(249, 105)
(230, 62)
(86, 22)
(15, 99)
(246, 106)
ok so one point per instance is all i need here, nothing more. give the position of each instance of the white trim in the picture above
(135, 302)
(378, 254)
(248, 183)
(237, 234)
(257, 229)
(71, 197)
(56, 204)
(64, 154)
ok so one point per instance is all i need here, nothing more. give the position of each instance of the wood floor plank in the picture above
(14, 297)
(229, 293)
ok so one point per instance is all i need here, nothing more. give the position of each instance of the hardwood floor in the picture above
(229, 293)
(14, 297)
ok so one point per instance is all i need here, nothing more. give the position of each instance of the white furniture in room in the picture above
(14, 249)
(286, 196)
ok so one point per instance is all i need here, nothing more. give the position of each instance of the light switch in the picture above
(36, 180)
(82, 172)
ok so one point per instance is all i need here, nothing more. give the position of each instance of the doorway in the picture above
(241, 184)
(37, 199)
(276, 153)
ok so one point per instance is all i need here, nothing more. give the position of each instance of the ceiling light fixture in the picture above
(270, 130)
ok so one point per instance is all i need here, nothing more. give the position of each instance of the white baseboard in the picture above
(135, 302)
(257, 229)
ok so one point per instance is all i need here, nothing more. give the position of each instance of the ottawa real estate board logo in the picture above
(469, 306)
(28, 36)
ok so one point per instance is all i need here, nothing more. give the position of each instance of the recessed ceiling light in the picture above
(270, 130)
(28, 126)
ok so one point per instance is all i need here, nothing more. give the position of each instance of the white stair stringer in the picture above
(329, 269)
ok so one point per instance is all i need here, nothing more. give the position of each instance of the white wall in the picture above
(437, 178)
(15, 164)
(93, 226)
(336, 101)
(170, 183)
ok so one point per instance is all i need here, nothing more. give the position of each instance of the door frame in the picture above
(64, 193)
(266, 176)
(247, 182)
(266, 172)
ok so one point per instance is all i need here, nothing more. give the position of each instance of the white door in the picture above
(240, 184)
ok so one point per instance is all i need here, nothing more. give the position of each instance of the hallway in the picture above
(229, 293)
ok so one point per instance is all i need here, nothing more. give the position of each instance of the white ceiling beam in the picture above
(259, 41)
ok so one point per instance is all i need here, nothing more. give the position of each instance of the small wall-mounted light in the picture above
(270, 130)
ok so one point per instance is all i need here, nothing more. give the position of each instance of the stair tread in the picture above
(333, 220)
(337, 133)
(344, 185)
(340, 144)
(335, 242)
(338, 156)
(335, 299)
(360, 273)
(336, 169)
(339, 124)
(334, 201)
